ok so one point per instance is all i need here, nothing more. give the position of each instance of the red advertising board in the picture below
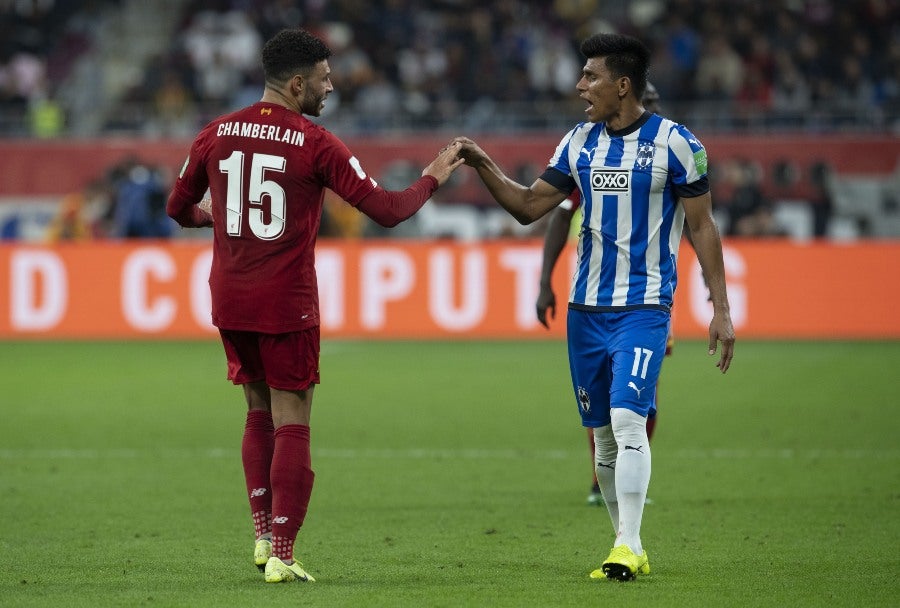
(42, 168)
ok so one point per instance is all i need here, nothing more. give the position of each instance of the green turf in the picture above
(449, 474)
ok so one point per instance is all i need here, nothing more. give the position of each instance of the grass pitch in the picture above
(449, 474)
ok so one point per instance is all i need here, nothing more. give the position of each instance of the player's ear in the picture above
(624, 84)
(296, 83)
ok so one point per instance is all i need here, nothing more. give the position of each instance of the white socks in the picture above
(622, 462)
(605, 452)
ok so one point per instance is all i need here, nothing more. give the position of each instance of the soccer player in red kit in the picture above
(266, 167)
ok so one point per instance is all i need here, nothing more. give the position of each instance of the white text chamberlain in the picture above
(260, 131)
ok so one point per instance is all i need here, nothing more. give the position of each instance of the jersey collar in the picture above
(640, 122)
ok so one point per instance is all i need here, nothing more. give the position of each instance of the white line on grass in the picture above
(445, 454)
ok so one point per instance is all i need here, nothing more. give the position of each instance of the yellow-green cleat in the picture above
(261, 553)
(623, 565)
(598, 574)
(279, 572)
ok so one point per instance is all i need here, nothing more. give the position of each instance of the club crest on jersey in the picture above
(645, 152)
(584, 399)
(610, 180)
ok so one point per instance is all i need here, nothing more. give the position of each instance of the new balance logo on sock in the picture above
(639, 448)
(281, 519)
(257, 492)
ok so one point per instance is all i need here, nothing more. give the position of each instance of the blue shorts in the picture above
(615, 359)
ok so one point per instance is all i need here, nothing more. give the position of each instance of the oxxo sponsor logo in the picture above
(610, 180)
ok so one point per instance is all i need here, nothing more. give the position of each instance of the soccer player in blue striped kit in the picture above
(641, 176)
(555, 239)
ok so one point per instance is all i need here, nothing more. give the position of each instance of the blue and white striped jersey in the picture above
(630, 182)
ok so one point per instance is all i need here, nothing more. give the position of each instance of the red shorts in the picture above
(288, 362)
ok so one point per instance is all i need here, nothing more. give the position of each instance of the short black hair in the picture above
(292, 51)
(624, 56)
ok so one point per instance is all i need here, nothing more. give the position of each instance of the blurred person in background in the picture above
(175, 114)
(139, 203)
(750, 212)
(640, 176)
(267, 167)
(821, 202)
(78, 213)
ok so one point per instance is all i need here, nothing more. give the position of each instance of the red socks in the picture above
(256, 454)
(292, 481)
(279, 478)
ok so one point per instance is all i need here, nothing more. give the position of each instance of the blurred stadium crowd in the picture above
(163, 68)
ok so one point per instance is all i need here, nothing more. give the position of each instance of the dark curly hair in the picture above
(625, 56)
(292, 51)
